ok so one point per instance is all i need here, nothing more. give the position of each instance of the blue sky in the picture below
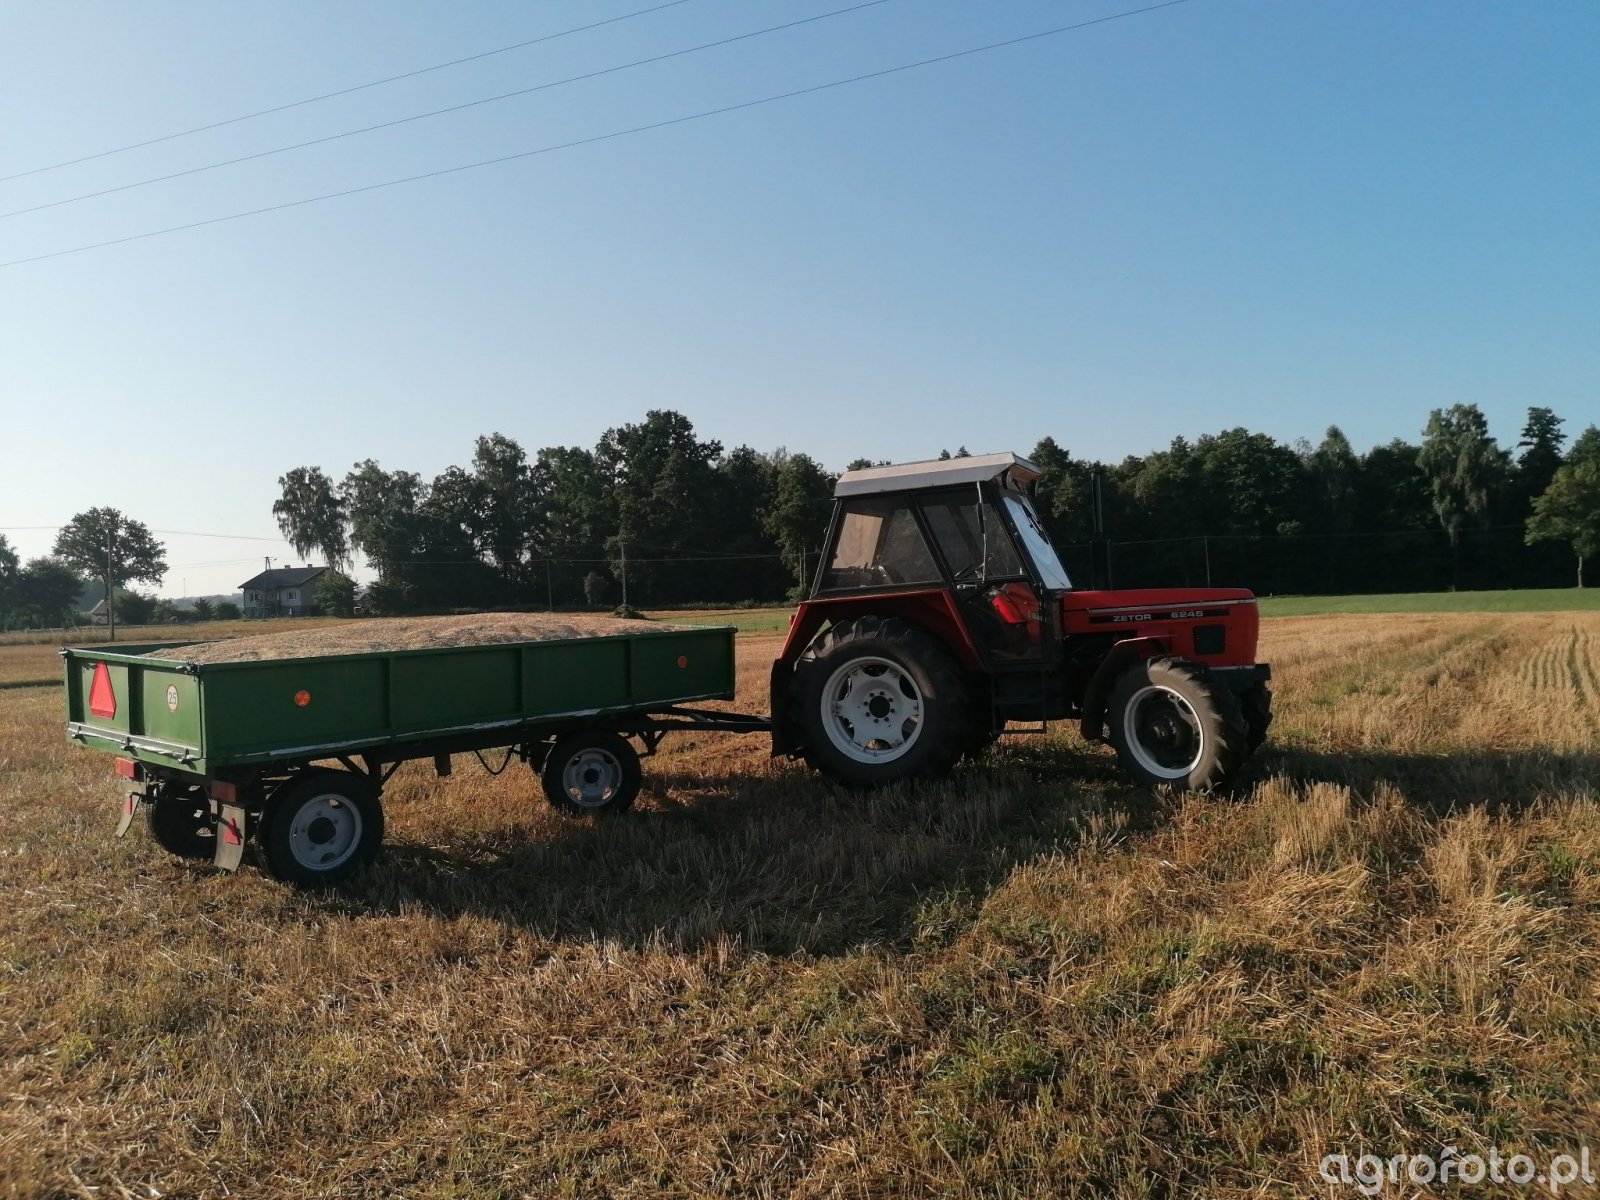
(1279, 215)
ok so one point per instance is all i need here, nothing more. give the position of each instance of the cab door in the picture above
(988, 576)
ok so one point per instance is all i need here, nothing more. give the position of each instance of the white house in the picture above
(281, 592)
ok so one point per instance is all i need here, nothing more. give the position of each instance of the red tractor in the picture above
(940, 612)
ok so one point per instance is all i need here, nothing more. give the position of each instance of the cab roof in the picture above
(939, 472)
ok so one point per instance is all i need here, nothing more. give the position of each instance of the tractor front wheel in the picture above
(1256, 704)
(879, 701)
(1174, 728)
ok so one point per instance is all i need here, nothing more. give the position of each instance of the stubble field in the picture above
(1028, 980)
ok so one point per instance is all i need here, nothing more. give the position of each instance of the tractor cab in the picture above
(940, 612)
(964, 525)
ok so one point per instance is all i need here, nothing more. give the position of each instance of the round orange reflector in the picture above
(302, 698)
(683, 660)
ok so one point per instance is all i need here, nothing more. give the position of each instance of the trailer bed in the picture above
(214, 719)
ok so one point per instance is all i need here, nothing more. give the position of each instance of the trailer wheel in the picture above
(1174, 728)
(321, 827)
(880, 700)
(592, 771)
(179, 819)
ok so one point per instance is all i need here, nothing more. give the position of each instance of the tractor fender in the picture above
(1093, 719)
(933, 609)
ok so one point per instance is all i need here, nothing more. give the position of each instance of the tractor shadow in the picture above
(780, 860)
(1504, 782)
(787, 863)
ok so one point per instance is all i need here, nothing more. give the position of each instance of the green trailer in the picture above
(294, 753)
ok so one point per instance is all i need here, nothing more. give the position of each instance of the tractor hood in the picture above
(1215, 626)
(1162, 603)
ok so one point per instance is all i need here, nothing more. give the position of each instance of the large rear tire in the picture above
(879, 701)
(1174, 728)
(321, 827)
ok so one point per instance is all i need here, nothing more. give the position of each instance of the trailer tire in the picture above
(1174, 727)
(591, 772)
(894, 675)
(180, 821)
(321, 827)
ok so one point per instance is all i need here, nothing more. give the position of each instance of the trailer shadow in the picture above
(786, 863)
(780, 860)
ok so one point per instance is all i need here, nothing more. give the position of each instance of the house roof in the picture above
(281, 577)
(941, 472)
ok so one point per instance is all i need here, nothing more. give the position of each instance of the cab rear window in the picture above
(879, 545)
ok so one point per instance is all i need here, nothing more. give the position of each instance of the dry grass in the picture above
(408, 633)
(134, 635)
(1026, 981)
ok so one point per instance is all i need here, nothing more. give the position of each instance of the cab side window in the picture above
(965, 542)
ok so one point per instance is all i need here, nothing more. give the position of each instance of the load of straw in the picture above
(408, 633)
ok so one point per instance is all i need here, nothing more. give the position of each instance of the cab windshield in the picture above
(1037, 543)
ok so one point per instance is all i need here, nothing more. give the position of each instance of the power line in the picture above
(232, 537)
(360, 87)
(601, 137)
(439, 112)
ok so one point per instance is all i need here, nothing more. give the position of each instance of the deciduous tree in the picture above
(105, 545)
(798, 515)
(1569, 509)
(1461, 463)
(311, 515)
(47, 592)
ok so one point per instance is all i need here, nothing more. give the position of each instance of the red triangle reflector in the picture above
(102, 700)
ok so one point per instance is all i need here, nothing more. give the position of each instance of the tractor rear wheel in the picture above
(1174, 728)
(879, 701)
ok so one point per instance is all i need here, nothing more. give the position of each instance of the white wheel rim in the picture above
(591, 777)
(872, 710)
(1164, 733)
(325, 832)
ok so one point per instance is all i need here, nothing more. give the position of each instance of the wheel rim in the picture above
(872, 710)
(591, 777)
(1164, 732)
(325, 832)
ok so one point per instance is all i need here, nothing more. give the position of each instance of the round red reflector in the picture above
(302, 698)
(683, 660)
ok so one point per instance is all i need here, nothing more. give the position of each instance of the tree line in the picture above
(654, 514)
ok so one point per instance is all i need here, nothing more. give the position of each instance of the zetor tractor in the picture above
(940, 612)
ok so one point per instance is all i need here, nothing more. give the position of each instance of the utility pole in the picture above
(549, 587)
(111, 604)
(1208, 559)
(624, 548)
